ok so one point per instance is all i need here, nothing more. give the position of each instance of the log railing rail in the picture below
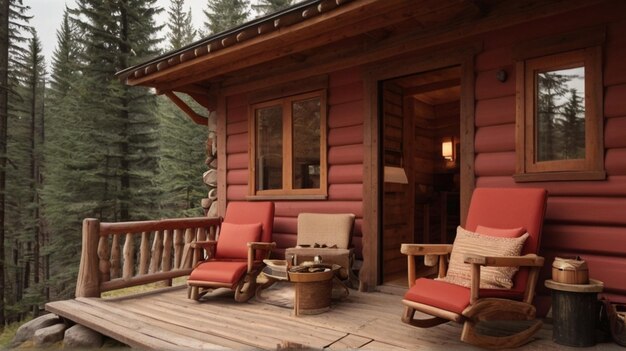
(111, 259)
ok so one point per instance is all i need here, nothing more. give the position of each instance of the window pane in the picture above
(560, 113)
(306, 144)
(269, 148)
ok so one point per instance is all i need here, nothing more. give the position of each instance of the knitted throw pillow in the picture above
(467, 242)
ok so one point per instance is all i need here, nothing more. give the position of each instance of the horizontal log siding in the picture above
(585, 218)
(345, 159)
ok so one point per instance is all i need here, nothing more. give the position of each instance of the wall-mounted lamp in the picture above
(447, 149)
(502, 76)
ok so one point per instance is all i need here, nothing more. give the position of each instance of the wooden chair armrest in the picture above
(203, 244)
(530, 260)
(422, 250)
(197, 249)
(253, 246)
(425, 249)
(261, 245)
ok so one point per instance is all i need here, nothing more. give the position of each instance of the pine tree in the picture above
(63, 205)
(35, 75)
(266, 7)
(573, 126)
(123, 124)
(182, 161)
(181, 31)
(551, 86)
(13, 24)
(225, 14)
(4, 104)
(182, 140)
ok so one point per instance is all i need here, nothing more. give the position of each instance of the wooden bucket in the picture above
(570, 271)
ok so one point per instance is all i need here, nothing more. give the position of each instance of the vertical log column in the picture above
(88, 284)
(209, 177)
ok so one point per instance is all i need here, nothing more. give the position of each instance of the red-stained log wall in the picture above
(586, 218)
(345, 159)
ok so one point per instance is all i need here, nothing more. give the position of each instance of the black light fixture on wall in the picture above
(502, 76)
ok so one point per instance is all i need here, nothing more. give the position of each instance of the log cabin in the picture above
(396, 110)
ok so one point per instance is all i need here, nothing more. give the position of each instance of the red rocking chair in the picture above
(235, 259)
(495, 213)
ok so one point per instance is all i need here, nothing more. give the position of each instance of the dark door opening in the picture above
(420, 148)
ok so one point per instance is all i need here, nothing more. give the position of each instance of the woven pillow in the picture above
(467, 242)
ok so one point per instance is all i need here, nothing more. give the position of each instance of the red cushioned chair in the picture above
(235, 259)
(494, 208)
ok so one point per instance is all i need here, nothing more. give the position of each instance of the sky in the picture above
(49, 13)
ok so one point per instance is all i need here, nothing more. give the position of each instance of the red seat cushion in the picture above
(450, 297)
(228, 272)
(234, 238)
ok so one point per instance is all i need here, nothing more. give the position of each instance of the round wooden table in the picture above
(575, 311)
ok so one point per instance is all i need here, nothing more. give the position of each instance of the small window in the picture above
(288, 146)
(559, 117)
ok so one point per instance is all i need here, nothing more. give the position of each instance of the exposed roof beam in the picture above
(198, 119)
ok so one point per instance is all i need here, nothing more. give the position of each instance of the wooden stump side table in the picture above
(575, 311)
(313, 291)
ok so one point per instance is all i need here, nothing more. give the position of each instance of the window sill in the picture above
(559, 176)
(285, 197)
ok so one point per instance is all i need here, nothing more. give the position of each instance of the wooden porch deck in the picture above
(167, 320)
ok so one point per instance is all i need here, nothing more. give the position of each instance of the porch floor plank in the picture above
(350, 342)
(166, 319)
(132, 332)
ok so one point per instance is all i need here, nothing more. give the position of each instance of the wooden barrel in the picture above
(575, 312)
(313, 291)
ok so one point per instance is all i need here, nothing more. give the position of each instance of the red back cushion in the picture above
(241, 212)
(500, 232)
(510, 208)
(234, 238)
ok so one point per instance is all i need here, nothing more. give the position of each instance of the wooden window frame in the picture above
(287, 191)
(588, 53)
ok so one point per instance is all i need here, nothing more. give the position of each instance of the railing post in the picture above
(88, 283)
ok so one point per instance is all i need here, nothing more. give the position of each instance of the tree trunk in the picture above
(4, 109)
(125, 164)
(43, 236)
(34, 173)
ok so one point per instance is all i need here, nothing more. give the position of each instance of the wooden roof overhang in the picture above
(318, 36)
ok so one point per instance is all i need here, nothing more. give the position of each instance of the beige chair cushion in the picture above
(467, 242)
(325, 229)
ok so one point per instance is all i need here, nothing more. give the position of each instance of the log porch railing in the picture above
(110, 259)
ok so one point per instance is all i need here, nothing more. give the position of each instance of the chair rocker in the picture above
(490, 209)
(235, 259)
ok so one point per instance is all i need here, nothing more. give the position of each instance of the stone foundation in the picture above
(50, 329)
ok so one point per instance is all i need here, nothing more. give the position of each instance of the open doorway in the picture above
(420, 133)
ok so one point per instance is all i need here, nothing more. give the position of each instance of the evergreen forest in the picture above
(77, 143)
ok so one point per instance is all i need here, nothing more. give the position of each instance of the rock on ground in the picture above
(49, 335)
(28, 329)
(79, 336)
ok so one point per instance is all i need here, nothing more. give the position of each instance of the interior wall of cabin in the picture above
(420, 113)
